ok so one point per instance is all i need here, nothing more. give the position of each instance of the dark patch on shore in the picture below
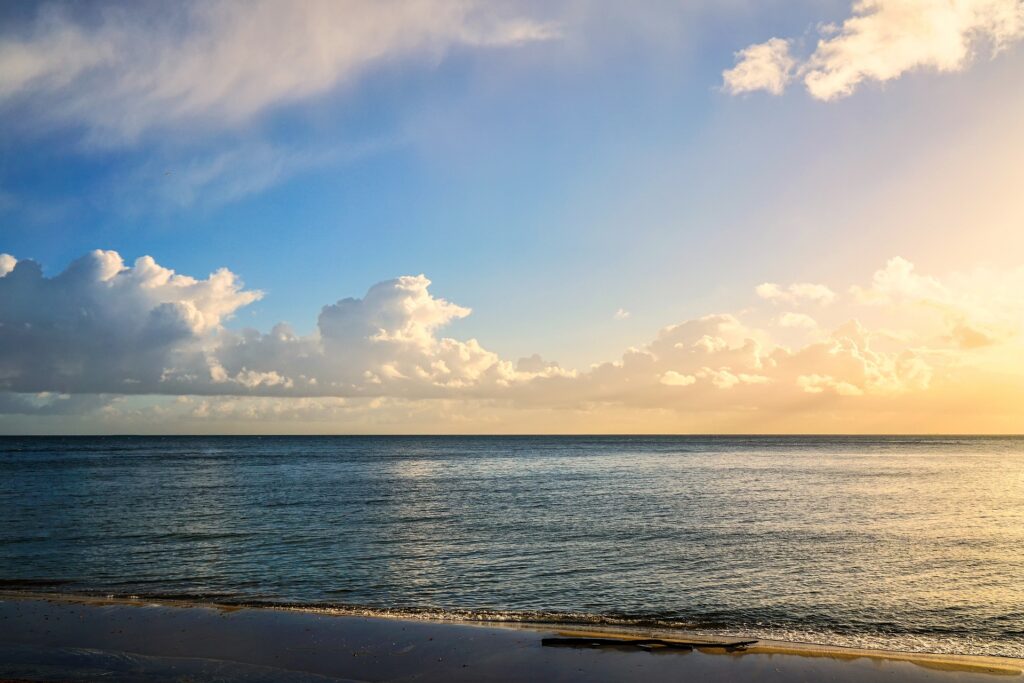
(34, 583)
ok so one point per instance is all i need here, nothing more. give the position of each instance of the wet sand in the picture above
(83, 639)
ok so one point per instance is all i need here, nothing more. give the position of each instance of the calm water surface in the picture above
(897, 542)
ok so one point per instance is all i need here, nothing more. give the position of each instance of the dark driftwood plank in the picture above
(642, 643)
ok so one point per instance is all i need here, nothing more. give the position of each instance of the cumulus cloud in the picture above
(883, 40)
(725, 363)
(106, 329)
(765, 66)
(385, 343)
(898, 282)
(391, 334)
(121, 70)
(622, 314)
(975, 310)
(102, 326)
(886, 38)
(849, 356)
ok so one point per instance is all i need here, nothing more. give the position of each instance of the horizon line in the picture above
(563, 435)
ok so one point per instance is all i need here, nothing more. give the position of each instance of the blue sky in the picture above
(545, 164)
(522, 168)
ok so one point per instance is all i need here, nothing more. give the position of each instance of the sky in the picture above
(451, 216)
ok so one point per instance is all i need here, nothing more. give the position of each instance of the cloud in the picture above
(123, 70)
(101, 326)
(386, 343)
(723, 378)
(675, 379)
(797, 320)
(46, 403)
(7, 263)
(886, 38)
(816, 384)
(105, 329)
(725, 365)
(765, 66)
(622, 314)
(882, 41)
(848, 356)
(389, 337)
(228, 174)
(796, 293)
(976, 310)
(52, 55)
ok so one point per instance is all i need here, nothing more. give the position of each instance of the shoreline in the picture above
(105, 625)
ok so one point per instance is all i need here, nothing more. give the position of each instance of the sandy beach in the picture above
(60, 638)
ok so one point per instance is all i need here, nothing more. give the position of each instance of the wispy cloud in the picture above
(228, 174)
(127, 69)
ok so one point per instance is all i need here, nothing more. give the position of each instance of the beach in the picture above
(73, 638)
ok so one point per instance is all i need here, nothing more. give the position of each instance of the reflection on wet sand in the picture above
(57, 638)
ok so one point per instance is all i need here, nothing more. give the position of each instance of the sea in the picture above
(903, 543)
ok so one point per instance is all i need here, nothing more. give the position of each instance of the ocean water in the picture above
(896, 542)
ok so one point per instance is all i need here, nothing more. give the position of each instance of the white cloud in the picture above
(391, 334)
(973, 310)
(253, 379)
(385, 343)
(622, 314)
(675, 379)
(798, 292)
(52, 56)
(7, 263)
(816, 384)
(797, 320)
(724, 378)
(848, 357)
(898, 282)
(885, 39)
(126, 69)
(765, 66)
(102, 327)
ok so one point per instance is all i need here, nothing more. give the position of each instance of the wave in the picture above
(922, 642)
